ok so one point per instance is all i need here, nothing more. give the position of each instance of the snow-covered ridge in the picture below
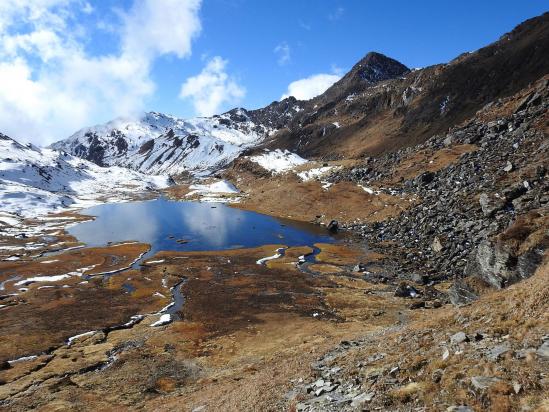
(158, 144)
(36, 181)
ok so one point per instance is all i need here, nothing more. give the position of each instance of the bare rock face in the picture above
(494, 264)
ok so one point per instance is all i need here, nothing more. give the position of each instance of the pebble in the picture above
(460, 408)
(445, 354)
(458, 338)
(497, 351)
(543, 350)
(483, 382)
(362, 398)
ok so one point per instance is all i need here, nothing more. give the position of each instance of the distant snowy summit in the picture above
(157, 143)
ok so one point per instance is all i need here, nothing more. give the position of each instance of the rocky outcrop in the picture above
(514, 255)
(372, 69)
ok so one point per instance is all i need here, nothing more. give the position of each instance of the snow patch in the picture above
(164, 320)
(278, 254)
(8, 219)
(314, 173)
(214, 192)
(23, 359)
(74, 338)
(53, 278)
(217, 187)
(278, 161)
(369, 190)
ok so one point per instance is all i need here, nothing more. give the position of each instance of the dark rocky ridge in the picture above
(378, 107)
(373, 68)
(406, 108)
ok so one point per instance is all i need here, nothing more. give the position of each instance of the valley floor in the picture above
(252, 336)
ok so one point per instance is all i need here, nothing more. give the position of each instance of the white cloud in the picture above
(87, 8)
(212, 88)
(283, 52)
(336, 14)
(309, 87)
(51, 85)
(156, 27)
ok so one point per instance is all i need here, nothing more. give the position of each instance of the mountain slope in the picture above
(35, 181)
(368, 115)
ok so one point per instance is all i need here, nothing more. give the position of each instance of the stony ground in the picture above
(493, 355)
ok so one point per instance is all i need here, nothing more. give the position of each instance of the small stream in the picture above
(309, 259)
(177, 301)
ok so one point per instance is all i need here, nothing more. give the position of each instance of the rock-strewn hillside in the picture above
(477, 236)
(471, 184)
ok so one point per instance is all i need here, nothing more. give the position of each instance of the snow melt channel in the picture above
(279, 253)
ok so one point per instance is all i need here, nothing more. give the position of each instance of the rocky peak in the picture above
(373, 68)
(238, 114)
(279, 113)
(376, 67)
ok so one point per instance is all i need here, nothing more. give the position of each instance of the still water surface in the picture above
(191, 226)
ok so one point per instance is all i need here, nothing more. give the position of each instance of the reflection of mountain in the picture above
(161, 223)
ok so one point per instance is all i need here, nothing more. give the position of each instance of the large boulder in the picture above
(333, 226)
(460, 293)
(513, 255)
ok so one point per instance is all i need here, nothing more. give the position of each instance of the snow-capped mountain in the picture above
(162, 144)
(35, 181)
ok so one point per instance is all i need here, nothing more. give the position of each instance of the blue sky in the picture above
(66, 64)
